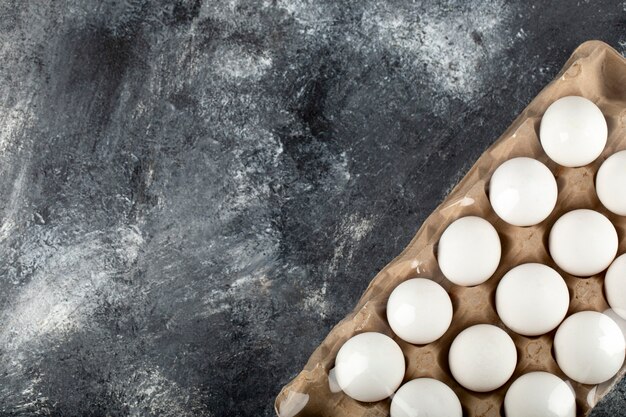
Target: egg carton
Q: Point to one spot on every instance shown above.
(595, 71)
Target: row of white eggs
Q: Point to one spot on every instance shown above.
(531, 299)
(370, 367)
(429, 397)
(589, 348)
(582, 242)
(523, 191)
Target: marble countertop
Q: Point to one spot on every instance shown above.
(194, 192)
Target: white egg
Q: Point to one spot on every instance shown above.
(615, 286)
(589, 347)
(573, 131)
(532, 299)
(611, 183)
(482, 358)
(469, 251)
(583, 242)
(523, 191)
(610, 313)
(539, 394)
(425, 397)
(419, 311)
(369, 367)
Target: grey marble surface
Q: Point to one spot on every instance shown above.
(193, 193)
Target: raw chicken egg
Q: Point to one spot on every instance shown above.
(589, 347)
(482, 358)
(573, 131)
(523, 191)
(532, 299)
(539, 394)
(419, 311)
(611, 183)
(425, 397)
(369, 367)
(583, 242)
(469, 251)
(615, 286)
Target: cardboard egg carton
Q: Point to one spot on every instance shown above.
(594, 71)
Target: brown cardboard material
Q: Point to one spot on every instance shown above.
(594, 71)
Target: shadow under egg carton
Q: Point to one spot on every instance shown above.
(594, 71)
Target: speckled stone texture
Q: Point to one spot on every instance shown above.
(193, 193)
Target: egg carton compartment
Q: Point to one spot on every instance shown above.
(594, 71)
